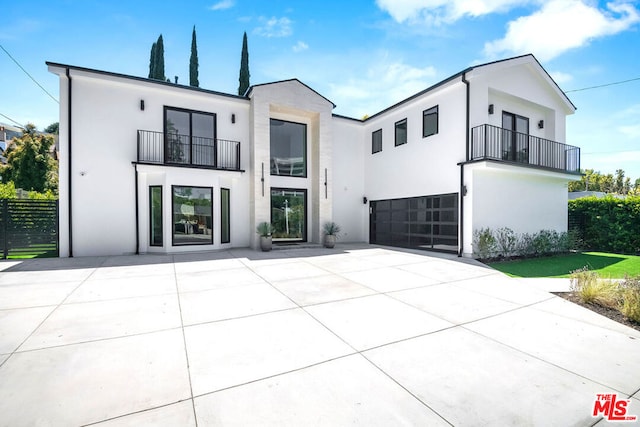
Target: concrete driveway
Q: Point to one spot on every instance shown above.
(356, 335)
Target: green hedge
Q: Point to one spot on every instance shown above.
(608, 224)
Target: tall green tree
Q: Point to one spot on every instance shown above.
(193, 61)
(29, 163)
(244, 67)
(159, 60)
(53, 128)
(152, 62)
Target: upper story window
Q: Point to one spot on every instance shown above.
(189, 136)
(430, 122)
(376, 141)
(401, 132)
(288, 148)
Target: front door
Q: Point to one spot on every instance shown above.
(515, 138)
(288, 214)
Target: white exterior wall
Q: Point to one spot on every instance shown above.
(519, 87)
(526, 201)
(349, 151)
(291, 101)
(422, 166)
(106, 116)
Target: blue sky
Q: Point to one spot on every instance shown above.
(363, 55)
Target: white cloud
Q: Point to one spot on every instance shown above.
(223, 4)
(274, 27)
(560, 77)
(444, 11)
(300, 46)
(561, 25)
(381, 86)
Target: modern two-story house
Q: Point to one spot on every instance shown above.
(154, 167)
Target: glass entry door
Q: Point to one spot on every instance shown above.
(515, 138)
(288, 214)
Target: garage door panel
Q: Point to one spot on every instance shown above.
(425, 222)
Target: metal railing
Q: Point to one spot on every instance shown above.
(492, 142)
(174, 149)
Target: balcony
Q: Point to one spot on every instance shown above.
(494, 143)
(190, 151)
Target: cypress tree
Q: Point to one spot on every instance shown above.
(152, 62)
(193, 61)
(159, 60)
(244, 67)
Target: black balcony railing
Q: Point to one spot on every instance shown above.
(492, 142)
(174, 149)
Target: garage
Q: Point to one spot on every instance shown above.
(426, 222)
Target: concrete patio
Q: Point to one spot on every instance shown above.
(359, 335)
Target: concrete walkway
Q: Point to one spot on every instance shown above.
(356, 335)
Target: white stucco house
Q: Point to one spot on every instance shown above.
(154, 167)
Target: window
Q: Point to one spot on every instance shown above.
(155, 215)
(401, 132)
(190, 137)
(376, 141)
(225, 220)
(430, 122)
(192, 215)
(288, 148)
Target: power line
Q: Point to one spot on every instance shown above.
(9, 118)
(27, 73)
(604, 85)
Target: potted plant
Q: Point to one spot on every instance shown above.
(331, 230)
(264, 229)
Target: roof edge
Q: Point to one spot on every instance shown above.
(248, 92)
(143, 79)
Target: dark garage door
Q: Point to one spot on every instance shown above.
(427, 222)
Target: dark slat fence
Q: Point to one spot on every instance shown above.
(29, 228)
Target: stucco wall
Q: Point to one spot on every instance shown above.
(525, 200)
(422, 166)
(105, 120)
(349, 211)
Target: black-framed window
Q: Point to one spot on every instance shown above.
(289, 214)
(288, 148)
(376, 141)
(430, 122)
(192, 215)
(401, 132)
(190, 137)
(155, 215)
(225, 215)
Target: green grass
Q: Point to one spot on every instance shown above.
(614, 266)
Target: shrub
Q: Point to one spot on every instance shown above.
(506, 241)
(331, 228)
(590, 288)
(264, 229)
(608, 224)
(544, 242)
(484, 243)
(630, 305)
(525, 244)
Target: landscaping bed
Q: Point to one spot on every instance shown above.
(610, 313)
